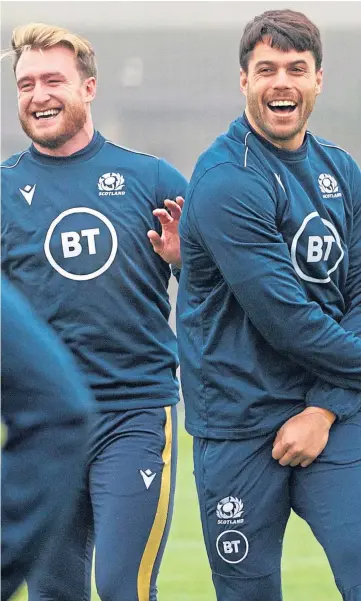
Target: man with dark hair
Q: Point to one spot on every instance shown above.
(81, 217)
(269, 324)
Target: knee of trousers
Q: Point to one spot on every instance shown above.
(345, 560)
(353, 594)
(121, 586)
(262, 588)
(115, 587)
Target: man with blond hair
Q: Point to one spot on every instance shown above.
(82, 218)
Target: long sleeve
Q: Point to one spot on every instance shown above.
(345, 403)
(236, 220)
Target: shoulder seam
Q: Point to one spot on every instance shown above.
(246, 151)
(19, 158)
(228, 162)
(146, 154)
(328, 145)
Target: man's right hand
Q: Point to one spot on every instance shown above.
(168, 244)
(303, 437)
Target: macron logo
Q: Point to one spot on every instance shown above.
(28, 193)
(148, 477)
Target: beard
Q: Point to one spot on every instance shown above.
(279, 135)
(73, 118)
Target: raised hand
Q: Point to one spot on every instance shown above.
(167, 245)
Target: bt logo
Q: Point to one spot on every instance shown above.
(319, 248)
(71, 242)
(78, 252)
(325, 251)
(232, 546)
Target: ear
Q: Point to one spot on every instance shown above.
(243, 81)
(89, 88)
(319, 81)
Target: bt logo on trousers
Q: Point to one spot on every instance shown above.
(232, 546)
(81, 244)
(314, 255)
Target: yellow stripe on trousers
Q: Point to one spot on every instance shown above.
(157, 531)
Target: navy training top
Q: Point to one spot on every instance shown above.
(269, 301)
(74, 241)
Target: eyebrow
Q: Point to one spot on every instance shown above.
(272, 63)
(43, 76)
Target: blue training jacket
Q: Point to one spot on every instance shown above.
(74, 236)
(269, 303)
(45, 408)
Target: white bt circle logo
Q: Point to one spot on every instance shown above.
(320, 253)
(81, 244)
(232, 546)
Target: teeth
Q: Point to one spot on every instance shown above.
(282, 103)
(47, 113)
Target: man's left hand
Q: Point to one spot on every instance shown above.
(168, 245)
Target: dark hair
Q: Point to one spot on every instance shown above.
(283, 29)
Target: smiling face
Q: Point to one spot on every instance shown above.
(53, 99)
(281, 89)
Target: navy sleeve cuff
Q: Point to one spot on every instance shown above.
(342, 402)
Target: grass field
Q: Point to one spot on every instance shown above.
(185, 575)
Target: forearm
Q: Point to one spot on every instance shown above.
(342, 402)
(239, 228)
(290, 323)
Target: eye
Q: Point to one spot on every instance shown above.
(265, 70)
(24, 87)
(54, 81)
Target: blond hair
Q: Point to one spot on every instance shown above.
(39, 36)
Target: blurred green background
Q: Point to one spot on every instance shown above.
(185, 574)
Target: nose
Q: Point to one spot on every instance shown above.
(40, 94)
(282, 80)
